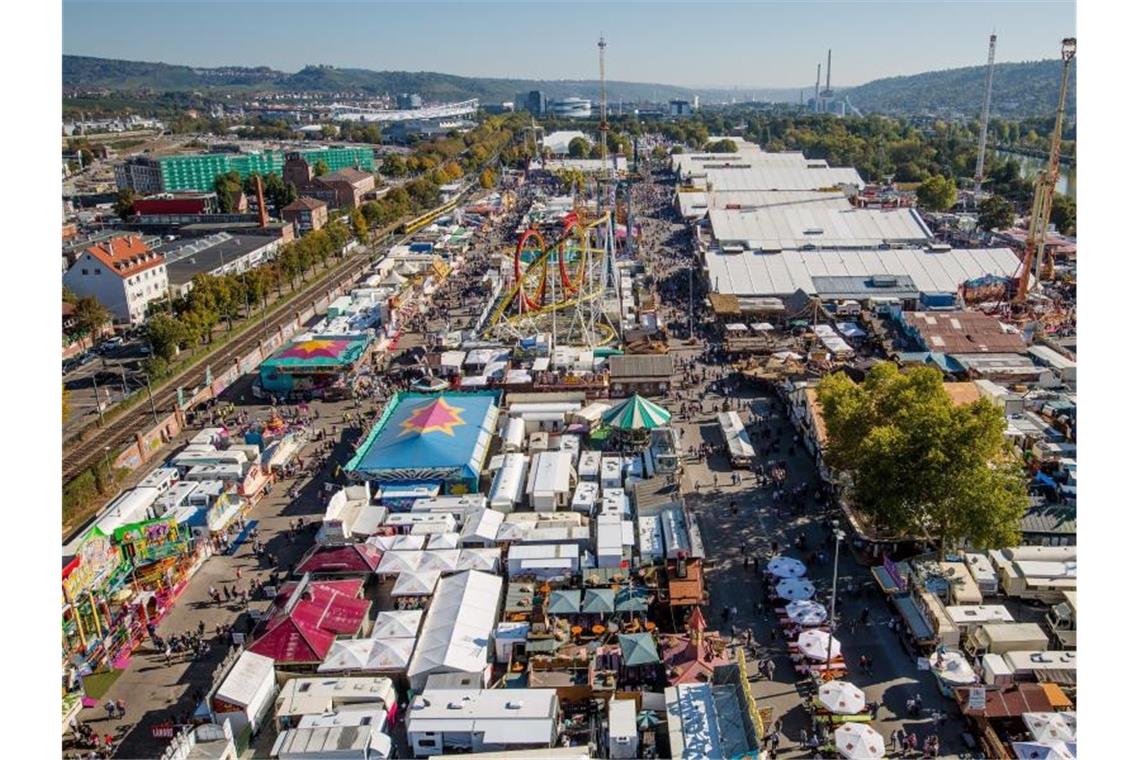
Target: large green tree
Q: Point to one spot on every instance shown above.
(1064, 214)
(165, 334)
(921, 465)
(125, 203)
(579, 147)
(90, 316)
(995, 213)
(937, 193)
(721, 146)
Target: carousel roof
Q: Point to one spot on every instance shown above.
(636, 413)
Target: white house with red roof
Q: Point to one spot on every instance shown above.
(122, 273)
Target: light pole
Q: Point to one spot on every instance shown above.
(150, 397)
(839, 536)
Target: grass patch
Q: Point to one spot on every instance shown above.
(98, 684)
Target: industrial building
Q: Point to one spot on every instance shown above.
(218, 254)
(570, 108)
(533, 101)
(163, 174)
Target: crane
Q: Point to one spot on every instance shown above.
(985, 120)
(1045, 185)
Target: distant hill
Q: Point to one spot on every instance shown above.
(87, 73)
(1020, 90)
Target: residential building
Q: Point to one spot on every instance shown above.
(306, 214)
(150, 175)
(123, 273)
(349, 186)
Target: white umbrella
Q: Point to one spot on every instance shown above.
(804, 612)
(795, 588)
(842, 698)
(858, 741)
(786, 567)
(814, 644)
(1041, 751)
(1051, 727)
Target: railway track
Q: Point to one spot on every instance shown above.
(120, 432)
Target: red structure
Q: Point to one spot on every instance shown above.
(183, 203)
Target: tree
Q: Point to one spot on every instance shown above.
(359, 225)
(578, 148)
(920, 465)
(995, 213)
(487, 179)
(394, 165)
(722, 146)
(66, 403)
(90, 316)
(937, 193)
(226, 186)
(320, 168)
(125, 203)
(165, 335)
(1064, 214)
(373, 213)
(676, 150)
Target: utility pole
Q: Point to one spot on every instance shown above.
(839, 536)
(98, 403)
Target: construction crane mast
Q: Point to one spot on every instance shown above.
(603, 127)
(985, 120)
(1046, 184)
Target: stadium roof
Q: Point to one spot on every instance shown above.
(778, 274)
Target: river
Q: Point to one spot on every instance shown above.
(1030, 165)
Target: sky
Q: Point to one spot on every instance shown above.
(722, 45)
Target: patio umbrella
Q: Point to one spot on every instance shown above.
(636, 413)
(638, 649)
(794, 589)
(1041, 751)
(807, 613)
(1051, 727)
(647, 719)
(814, 643)
(858, 741)
(786, 567)
(842, 698)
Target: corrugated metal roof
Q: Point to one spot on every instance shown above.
(774, 274)
(797, 225)
(648, 365)
(802, 177)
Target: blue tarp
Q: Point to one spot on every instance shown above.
(1043, 478)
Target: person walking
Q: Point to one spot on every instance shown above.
(121, 708)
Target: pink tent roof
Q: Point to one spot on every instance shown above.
(306, 633)
(291, 641)
(343, 560)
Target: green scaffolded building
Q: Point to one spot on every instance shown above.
(198, 172)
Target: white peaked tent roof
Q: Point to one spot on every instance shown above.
(457, 628)
(397, 543)
(397, 624)
(479, 559)
(439, 561)
(483, 524)
(442, 541)
(368, 654)
(394, 562)
(417, 583)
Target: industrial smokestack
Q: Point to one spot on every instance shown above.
(262, 215)
(828, 89)
(815, 102)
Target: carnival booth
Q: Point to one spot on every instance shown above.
(423, 438)
(313, 364)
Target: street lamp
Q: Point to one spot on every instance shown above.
(839, 536)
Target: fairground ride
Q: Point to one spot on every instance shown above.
(560, 288)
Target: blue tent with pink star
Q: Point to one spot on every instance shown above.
(441, 437)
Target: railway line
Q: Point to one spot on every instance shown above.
(120, 432)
